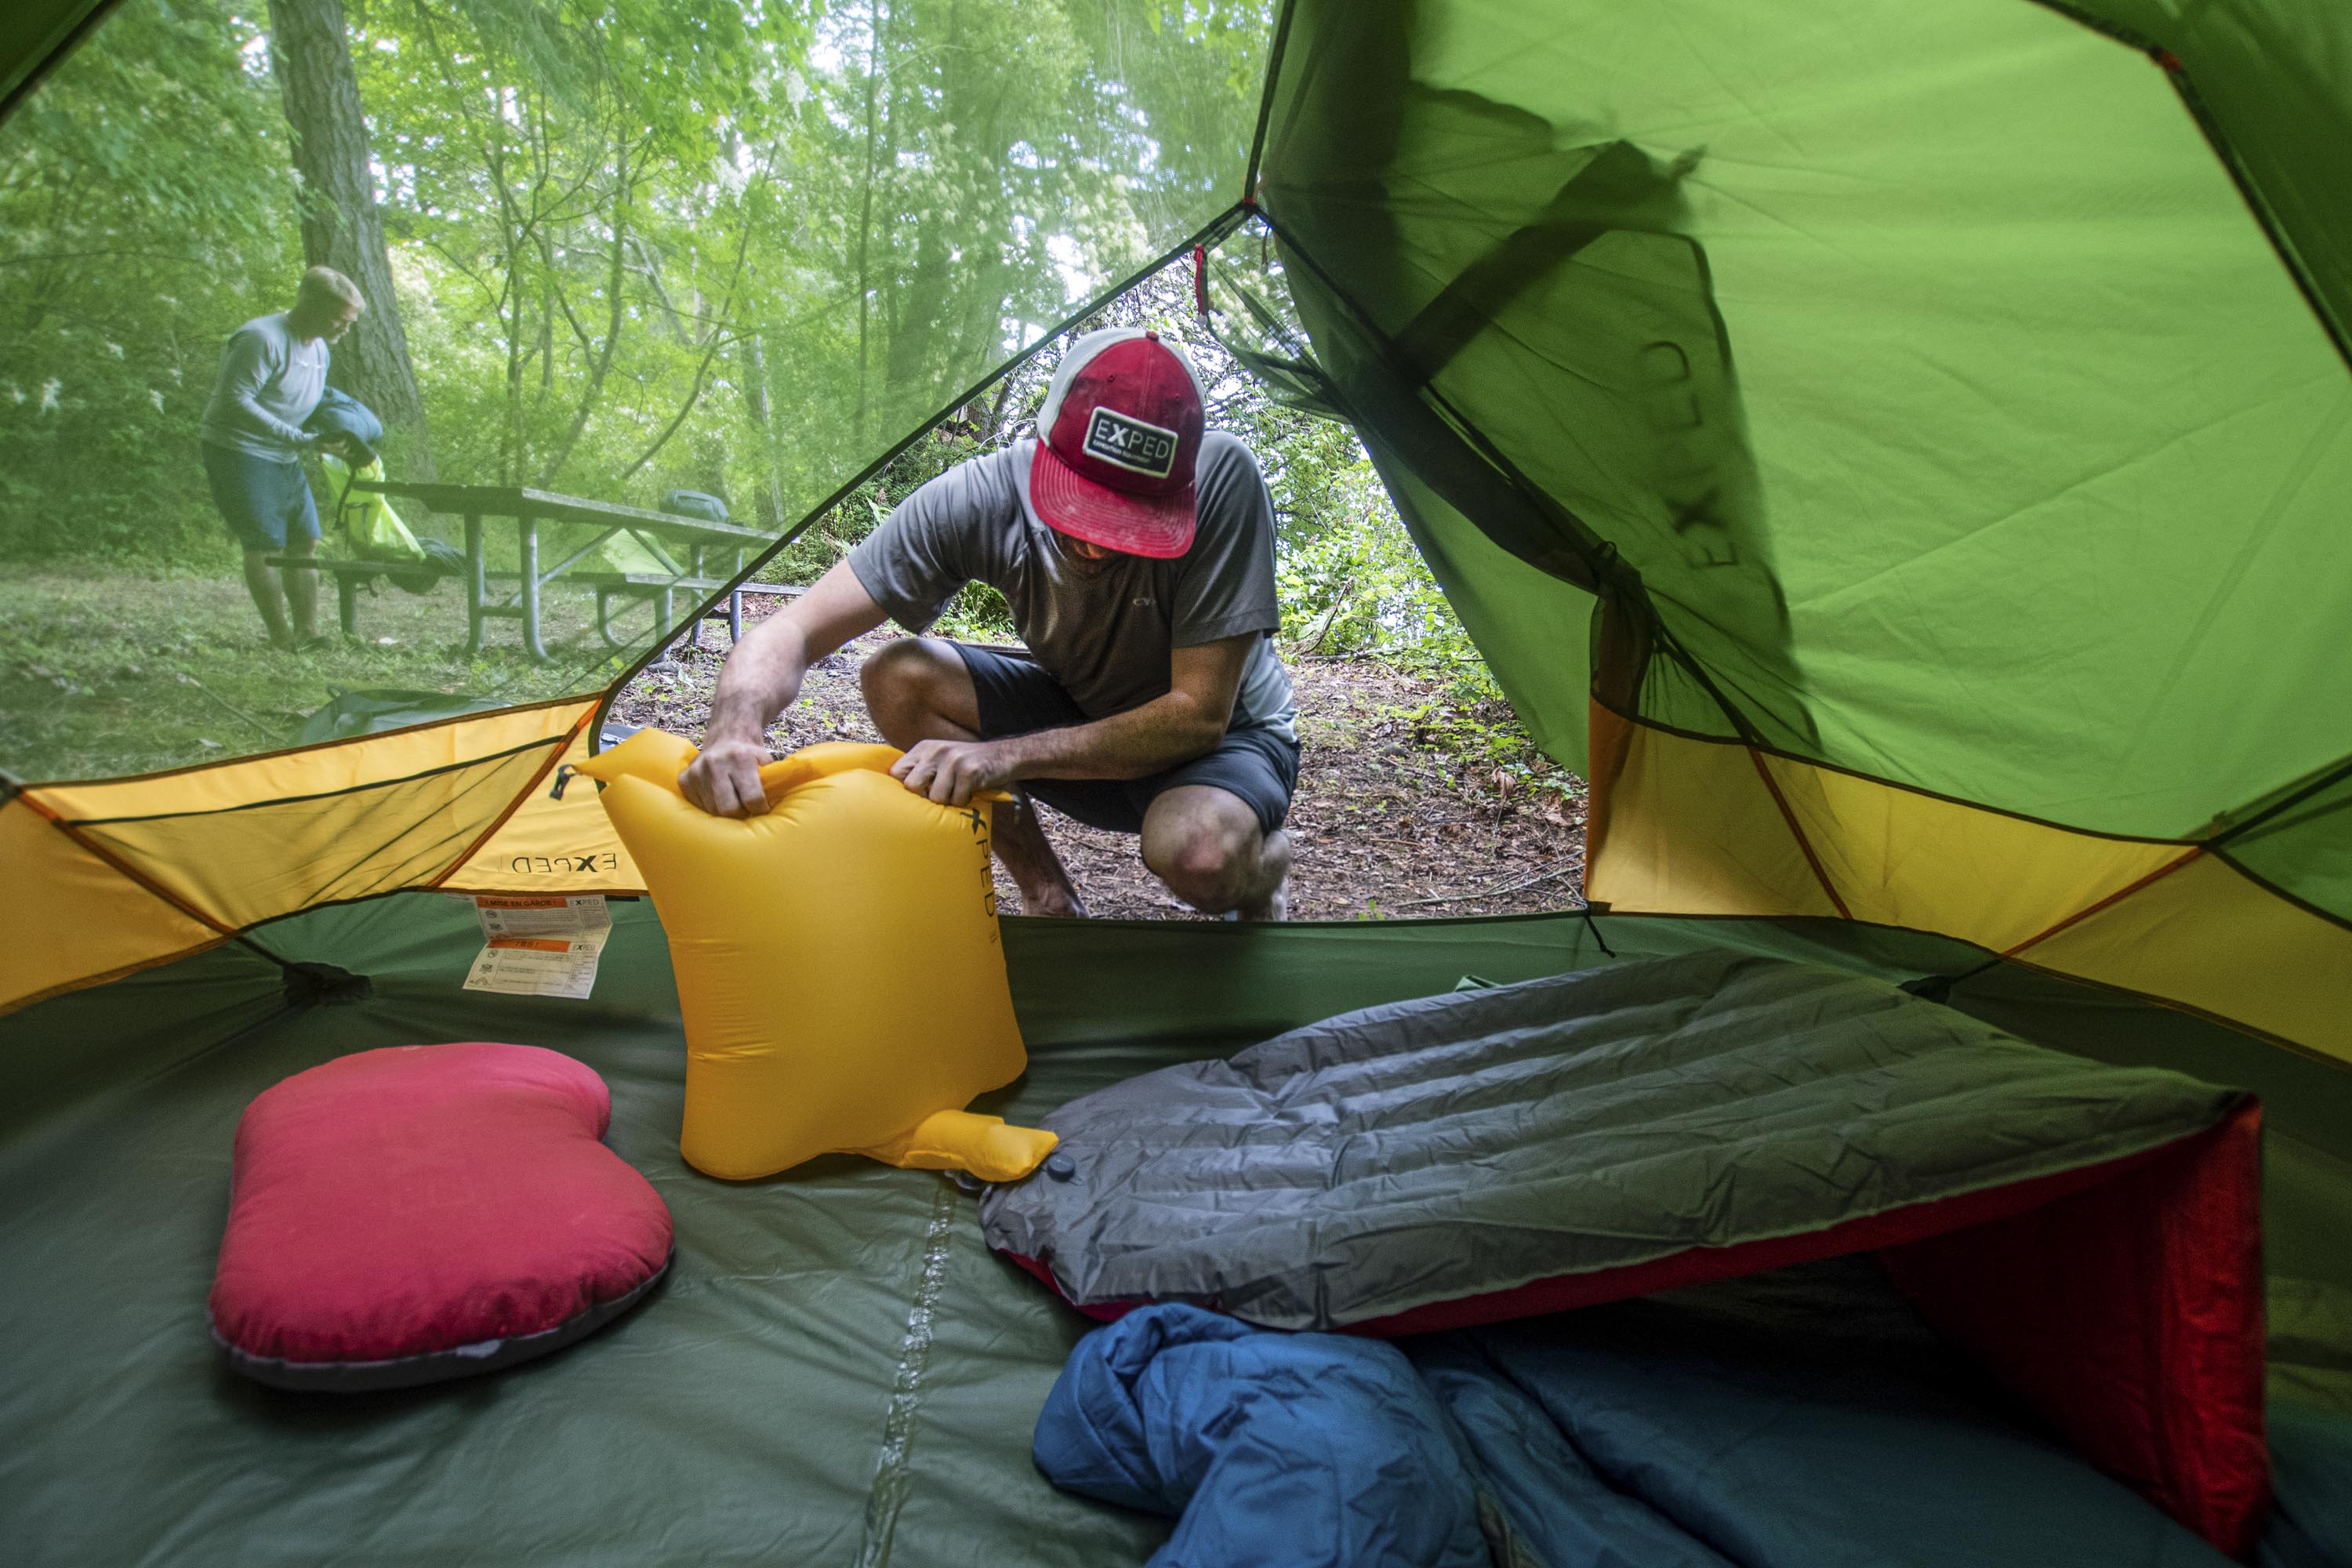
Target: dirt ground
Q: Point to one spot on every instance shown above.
(1387, 824)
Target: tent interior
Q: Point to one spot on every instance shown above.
(839, 1370)
(1976, 629)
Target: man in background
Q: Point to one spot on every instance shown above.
(272, 375)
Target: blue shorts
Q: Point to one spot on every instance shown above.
(1016, 696)
(264, 503)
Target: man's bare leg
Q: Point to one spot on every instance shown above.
(1205, 843)
(303, 591)
(919, 690)
(1021, 844)
(261, 582)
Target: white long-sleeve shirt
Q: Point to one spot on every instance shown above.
(270, 382)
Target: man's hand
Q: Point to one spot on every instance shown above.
(724, 780)
(762, 677)
(952, 772)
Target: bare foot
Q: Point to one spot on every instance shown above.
(1069, 906)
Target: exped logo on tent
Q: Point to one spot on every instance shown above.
(553, 865)
(1130, 443)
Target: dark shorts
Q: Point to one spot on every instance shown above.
(263, 502)
(1016, 697)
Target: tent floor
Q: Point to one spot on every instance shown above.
(837, 1370)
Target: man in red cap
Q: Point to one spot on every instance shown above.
(1135, 550)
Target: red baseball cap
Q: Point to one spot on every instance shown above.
(1119, 435)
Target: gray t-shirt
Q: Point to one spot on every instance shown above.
(268, 384)
(1103, 630)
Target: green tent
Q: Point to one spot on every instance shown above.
(1899, 453)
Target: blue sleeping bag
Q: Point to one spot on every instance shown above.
(340, 415)
(1806, 1418)
(1279, 1451)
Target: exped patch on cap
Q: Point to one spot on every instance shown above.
(1119, 434)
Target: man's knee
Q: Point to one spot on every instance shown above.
(1209, 853)
(909, 685)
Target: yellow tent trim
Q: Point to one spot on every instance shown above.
(137, 871)
(1687, 826)
(91, 923)
(551, 846)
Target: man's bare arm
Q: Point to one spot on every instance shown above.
(1187, 722)
(762, 676)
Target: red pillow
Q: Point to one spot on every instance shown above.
(422, 1212)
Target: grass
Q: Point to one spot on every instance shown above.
(106, 672)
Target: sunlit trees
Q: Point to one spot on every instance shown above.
(739, 248)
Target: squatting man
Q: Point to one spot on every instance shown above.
(1136, 551)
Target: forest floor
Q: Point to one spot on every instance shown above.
(1392, 818)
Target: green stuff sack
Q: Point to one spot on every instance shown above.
(371, 527)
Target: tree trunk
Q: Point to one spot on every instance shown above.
(341, 228)
(769, 498)
(949, 314)
(873, 15)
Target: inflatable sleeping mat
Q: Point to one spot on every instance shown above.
(2091, 1232)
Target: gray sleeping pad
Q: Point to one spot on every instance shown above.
(1445, 1148)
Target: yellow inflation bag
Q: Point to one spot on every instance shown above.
(837, 959)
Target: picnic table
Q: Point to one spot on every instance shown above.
(701, 542)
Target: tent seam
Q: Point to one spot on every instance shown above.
(2328, 779)
(474, 716)
(485, 757)
(1926, 793)
(2118, 897)
(140, 879)
(1797, 831)
(2184, 88)
(2275, 890)
(1611, 573)
(108, 976)
(523, 795)
(66, 42)
(1266, 103)
(892, 1468)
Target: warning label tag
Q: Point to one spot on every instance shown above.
(539, 946)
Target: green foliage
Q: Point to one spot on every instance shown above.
(139, 189)
(646, 245)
